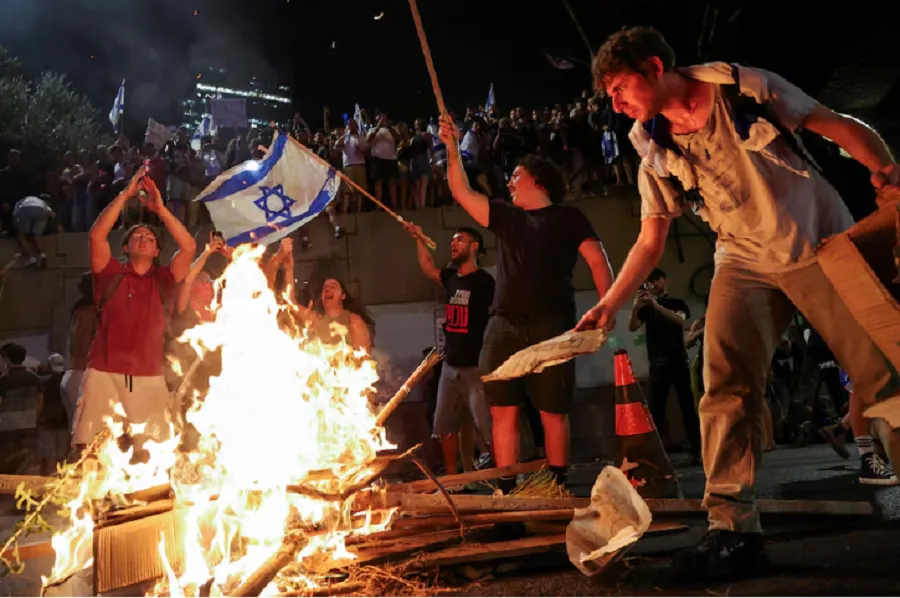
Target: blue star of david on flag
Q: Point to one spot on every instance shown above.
(263, 203)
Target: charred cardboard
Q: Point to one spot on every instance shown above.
(127, 554)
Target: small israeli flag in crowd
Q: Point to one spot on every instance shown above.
(491, 101)
(203, 129)
(357, 116)
(264, 201)
(115, 115)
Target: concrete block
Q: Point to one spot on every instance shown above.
(74, 250)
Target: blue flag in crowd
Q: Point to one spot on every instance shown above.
(357, 116)
(491, 101)
(115, 115)
(263, 201)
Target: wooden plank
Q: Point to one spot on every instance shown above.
(468, 477)
(410, 543)
(475, 504)
(9, 483)
(474, 518)
(659, 506)
(471, 553)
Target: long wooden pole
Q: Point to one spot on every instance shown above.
(425, 238)
(426, 50)
(429, 362)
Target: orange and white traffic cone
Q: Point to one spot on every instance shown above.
(639, 449)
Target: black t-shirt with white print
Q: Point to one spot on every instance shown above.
(466, 315)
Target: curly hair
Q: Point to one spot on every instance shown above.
(546, 174)
(628, 50)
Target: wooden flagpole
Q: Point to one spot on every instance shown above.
(428, 62)
(425, 238)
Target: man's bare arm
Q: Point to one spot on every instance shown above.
(98, 238)
(476, 204)
(601, 271)
(855, 137)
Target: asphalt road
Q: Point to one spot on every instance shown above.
(821, 556)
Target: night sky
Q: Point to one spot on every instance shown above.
(160, 46)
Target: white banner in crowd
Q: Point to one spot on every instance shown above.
(229, 113)
(157, 134)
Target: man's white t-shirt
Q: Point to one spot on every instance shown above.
(354, 150)
(383, 145)
(769, 208)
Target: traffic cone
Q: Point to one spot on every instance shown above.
(639, 449)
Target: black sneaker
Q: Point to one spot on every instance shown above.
(836, 435)
(722, 554)
(874, 471)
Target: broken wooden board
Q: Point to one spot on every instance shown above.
(476, 552)
(30, 551)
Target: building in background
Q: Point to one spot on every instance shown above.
(265, 101)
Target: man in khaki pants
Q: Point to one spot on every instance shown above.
(719, 140)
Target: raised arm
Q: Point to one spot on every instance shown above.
(98, 238)
(426, 262)
(476, 204)
(180, 264)
(184, 294)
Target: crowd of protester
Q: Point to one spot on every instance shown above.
(401, 164)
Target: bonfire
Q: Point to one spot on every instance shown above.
(286, 412)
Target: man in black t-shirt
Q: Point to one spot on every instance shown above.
(469, 291)
(538, 242)
(664, 317)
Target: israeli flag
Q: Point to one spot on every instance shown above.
(264, 201)
(357, 116)
(115, 115)
(203, 129)
(491, 101)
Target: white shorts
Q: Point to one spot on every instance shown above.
(145, 400)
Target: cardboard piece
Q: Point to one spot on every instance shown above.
(860, 264)
(554, 351)
(128, 554)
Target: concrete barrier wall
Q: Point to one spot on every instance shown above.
(378, 260)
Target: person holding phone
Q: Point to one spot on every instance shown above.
(353, 147)
(133, 296)
(664, 317)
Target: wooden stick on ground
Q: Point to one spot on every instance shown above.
(443, 491)
(259, 579)
(433, 358)
(426, 50)
(468, 477)
(425, 238)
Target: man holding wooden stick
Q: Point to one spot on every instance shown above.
(538, 242)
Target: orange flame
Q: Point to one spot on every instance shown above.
(284, 404)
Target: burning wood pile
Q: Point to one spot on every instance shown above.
(274, 481)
